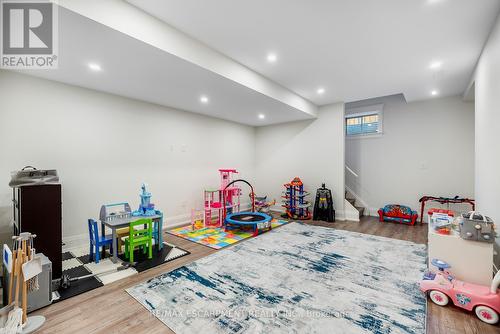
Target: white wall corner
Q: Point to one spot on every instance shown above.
(469, 94)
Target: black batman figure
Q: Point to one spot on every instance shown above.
(323, 206)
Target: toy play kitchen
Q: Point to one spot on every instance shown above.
(441, 286)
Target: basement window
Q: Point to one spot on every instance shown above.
(363, 121)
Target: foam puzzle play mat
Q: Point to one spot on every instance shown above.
(216, 237)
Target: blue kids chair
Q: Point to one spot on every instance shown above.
(97, 241)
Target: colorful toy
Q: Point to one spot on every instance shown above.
(217, 238)
(441, 286)
(197, 219)
(441, 222)
(295, 202)
(440, 212)
(146, 208)
(215, 211)
(397, 213)
(213, 208)
(261, 204)
(323, 205)
(257, 222)
(222, 207)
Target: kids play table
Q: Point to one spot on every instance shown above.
(117, 223)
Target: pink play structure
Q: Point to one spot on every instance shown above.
(214, 199)
(441, 286)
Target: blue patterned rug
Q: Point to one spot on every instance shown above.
(295, 279)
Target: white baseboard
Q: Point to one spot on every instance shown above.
(339, 214)
(351, 217)
(350, 212)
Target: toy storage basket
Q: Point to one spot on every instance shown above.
(477, 227)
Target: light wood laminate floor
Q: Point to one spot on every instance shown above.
(110, 309)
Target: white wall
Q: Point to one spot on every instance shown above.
(487, 99)
(312, 150)
(105, 146)
(427, 148)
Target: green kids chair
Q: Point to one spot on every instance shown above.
(139, 238)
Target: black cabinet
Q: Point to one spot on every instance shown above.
(38, 210)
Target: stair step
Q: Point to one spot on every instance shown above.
(351, 200)
(361, 210)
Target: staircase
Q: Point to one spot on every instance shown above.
(352, 180)
(352, 200)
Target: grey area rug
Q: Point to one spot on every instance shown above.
(295, 279)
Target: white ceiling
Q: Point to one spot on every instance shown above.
(134, 69)
(355, 49)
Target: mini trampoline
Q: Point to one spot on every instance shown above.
(254, 221)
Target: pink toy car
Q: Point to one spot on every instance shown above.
(442, 286)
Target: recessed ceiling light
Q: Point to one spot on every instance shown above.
(435, 65)
(95, 67)
(320, 91)
(434, 93)
(204, 99)
(262, 116)
(272, 57)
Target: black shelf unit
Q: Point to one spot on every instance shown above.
(38, 209)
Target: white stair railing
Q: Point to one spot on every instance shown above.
(351, 171)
